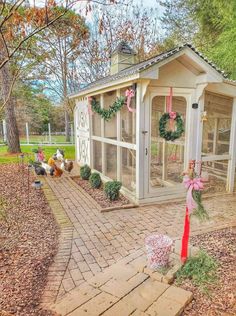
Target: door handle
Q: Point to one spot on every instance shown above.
(146, 151)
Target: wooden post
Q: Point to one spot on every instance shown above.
(104, 167)
(72, 133)
(140, 141)
(232, 152)
(27, 132)
(119, 138)
(49, 134)
(164, 155)
(215, 138)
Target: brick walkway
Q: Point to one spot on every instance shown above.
(100, 239)
(126, 288)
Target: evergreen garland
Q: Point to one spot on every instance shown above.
(171, 135)
(200, 211)
(113, 109)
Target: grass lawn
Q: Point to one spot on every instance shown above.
(36, 139)
(5, 157)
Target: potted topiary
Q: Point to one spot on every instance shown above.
(112, 189)
(95, 180)
(85, 172)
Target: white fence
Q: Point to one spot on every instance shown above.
(29, 137)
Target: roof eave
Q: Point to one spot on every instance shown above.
(102, 87)
(229, 81)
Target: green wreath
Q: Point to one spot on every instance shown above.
(113, 109)
(171, 135)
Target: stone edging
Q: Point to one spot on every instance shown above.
(60, 262)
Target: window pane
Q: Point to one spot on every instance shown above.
(128, 176)
(97, 156)
(110, 126)
(216, 128)
(217, 175)
(167, 157)
(156, 163)
(111, 161)
(128, 121)
(96, 121)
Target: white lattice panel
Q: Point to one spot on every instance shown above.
(82, 132)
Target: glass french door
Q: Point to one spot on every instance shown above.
(216, 141)
(166, 158)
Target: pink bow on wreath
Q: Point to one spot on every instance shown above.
(90, 99)
(129, 93)
(169, 109)
(192, 184)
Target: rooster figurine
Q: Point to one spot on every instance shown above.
(59, 155)
(67, 165)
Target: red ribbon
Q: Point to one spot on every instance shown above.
(185, 238)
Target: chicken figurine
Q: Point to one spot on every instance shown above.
(59, 155)
(54, 169)
(67, 165)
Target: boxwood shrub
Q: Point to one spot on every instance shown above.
(85, 172)
(112, 189)
(95, 180)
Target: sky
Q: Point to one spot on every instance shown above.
(147, 2)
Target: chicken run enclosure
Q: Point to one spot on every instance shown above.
(127, 145)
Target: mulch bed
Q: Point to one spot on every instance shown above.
(99, 196)
(221, 299)
(28, 242)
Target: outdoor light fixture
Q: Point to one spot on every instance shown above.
(37, 184)
(195, 105)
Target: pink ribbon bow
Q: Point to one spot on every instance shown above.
(129, 93)
(90, 105)
(172, 115)
(192, 184)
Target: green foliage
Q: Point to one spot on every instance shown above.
(35, 107)
(95, 180)
(209, 24)
(171, 135)
(200, 211)
(85, 172)
(112, 189)
(201, 270)
(113, 109)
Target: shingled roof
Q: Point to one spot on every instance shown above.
(144, 65)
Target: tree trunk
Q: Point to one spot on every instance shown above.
(67, 125)
(13, 140)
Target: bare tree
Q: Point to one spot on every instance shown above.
(129, 22)
(20, 22)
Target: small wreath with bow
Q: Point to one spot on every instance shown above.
(171, 134)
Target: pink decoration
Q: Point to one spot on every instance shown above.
(172, 115)
(192, 184)
(169, 101)
(41, 156)
(158, 250)
(129, 93)
(90, 105)
(169, 109)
